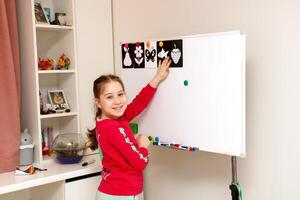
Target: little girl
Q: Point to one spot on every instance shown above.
(124, 157)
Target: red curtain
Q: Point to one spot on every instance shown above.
(9, 87)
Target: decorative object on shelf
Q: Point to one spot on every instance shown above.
(45, 143)
(26, 148)
(69, 148)
(41, 103)
(27, 170)
(58, 101)
(63, 62)
(47, 140)
(60, 19)
(40, 16)
(47, 109)
(46, 64)
(50, 64)
(48, 13)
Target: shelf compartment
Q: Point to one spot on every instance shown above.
(59, 81)
(66, 124)
(61, 125)
(54, 44)
(59, 6)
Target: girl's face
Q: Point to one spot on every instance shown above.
(112, 101)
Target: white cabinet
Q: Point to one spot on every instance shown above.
(52, 191)
(84, 188)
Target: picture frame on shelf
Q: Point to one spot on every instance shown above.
(48, 13)
(58, 101)
(40, 15)
(61, 19)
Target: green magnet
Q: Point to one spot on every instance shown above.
(185, 82)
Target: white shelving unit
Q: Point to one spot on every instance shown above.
(90, 26)
(47, 41)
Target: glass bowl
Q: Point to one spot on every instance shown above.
(69, 148)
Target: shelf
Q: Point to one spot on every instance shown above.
(48, 159)
(49, 27)
(58, 115)
(55, 172)
(52, 44)
(56, 71)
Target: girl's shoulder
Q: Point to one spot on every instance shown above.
(106, 127)
(109, 123)
(104, 122)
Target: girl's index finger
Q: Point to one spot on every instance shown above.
(169, 62)
(165, 61)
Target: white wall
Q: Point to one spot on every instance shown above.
(94, 50)
(271, 169)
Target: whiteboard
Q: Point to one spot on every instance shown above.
(208, 113)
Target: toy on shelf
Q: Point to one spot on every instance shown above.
(63, 62)
(26, 148)
(27, 170)
(45, 108)
(50, 64)
(47, 140)
(41, 103)
(46, 64)
(46, 150)
(49, 109)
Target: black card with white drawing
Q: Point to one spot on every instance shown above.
(150, 55)
(171, 48)
(138, 54)
(128, 55)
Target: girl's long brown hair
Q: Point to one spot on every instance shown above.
(98, 87)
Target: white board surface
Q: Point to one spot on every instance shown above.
(208, 113)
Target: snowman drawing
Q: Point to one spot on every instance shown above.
(127, 61)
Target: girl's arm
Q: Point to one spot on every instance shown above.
(139, 103)
(136, 156)
(142, 100)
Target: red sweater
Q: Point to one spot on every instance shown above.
(123, 161)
